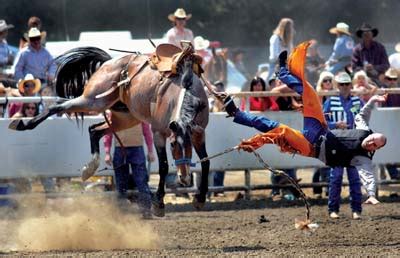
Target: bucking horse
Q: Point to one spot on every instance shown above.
(163, 89)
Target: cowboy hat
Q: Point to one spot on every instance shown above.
(343, 77)
(397, 47)
(35, 33)
(200, 43)
(4, 26)
(29, 78)
(180, 14)
(391, 73)
(341, 27)
(366, 27)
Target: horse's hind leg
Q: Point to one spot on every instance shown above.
(198, 140)
(119, 121)
(80, 104)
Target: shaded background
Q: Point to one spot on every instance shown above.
(247, 24)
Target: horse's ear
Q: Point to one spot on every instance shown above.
(173, 125)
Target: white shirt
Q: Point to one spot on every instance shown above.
(174, 36)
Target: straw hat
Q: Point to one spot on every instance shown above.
(200, 43)
(343, 77)
(4, 26)
(35, 33)
(366, 27)
(180, 14)
(341, 27)
(29, 78)
(391, 73)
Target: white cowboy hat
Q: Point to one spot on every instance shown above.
(343, 77)
(4, 26)
(29, 78)
(200, 43)
(397, 47)
(341, 27)
(35, 33)
(391, 73)
(180, 14)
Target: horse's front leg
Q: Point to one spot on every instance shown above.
(158, 198)
(198, 139)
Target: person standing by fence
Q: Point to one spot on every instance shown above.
(132, 155)
(179, 31)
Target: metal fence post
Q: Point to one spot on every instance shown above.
(247, 182)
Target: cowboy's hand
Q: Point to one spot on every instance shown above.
(246, 146)
(230, 106)
(107, 159)
(151, 157)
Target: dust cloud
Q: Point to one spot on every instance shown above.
(75, 224)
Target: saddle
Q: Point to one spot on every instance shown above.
(167, 58)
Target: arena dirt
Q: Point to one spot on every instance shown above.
(224, 228)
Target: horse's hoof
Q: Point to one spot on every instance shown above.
(199, 202)
(17, 125)
(89, 169)
(158, 209)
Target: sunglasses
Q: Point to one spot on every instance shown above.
(391, 79)
(327, 80)
(344, 84)
(35, 39)
(30, 108)
(29, 85)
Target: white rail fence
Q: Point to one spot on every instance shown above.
(58, 148)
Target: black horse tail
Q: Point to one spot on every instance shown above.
(75, 67)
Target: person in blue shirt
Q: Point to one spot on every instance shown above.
(6, 57)
(342, 49)
(340, 112)
(35, 59)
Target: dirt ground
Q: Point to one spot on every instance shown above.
(226, 227)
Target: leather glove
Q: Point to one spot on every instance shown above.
(282, 58)
(230, 106)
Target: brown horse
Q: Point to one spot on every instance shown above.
(134, 90)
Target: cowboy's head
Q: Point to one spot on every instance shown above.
(374, 142)
(4, 27)
(179, 17)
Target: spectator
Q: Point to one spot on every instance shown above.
(6, 56)
(259, 103)
(393, 100)
(394, 59)
(27, 110)
(201, 47)
(339, 113)
(35, 59)
(314, 63)
(370, 55)
(325, 83)
(33, 22)
(342, 49)
(362, 82)
(132, 139)
(45, 104)
(28, 87)
(237, 59)
(281, 39)
(179, 32)
(391, 81)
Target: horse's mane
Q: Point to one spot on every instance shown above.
(75, 68)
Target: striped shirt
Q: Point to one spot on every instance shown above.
(337, 108)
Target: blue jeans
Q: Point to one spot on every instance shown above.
(335, 188)
(321, 175)
(136, 159)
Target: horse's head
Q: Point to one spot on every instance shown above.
(181, 149)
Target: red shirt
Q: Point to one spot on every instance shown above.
(261, 104)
